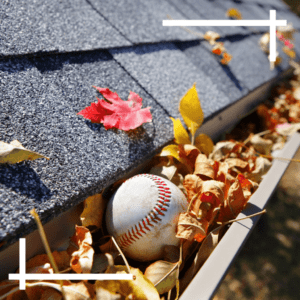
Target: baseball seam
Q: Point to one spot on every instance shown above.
(153, 217)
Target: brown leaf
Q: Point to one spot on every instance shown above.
(193, 185)
(262, 166)
(234, 203)
(61, 258)
(156, 273)
(93, 211)
(75, 291)
(213, 192)
(211, 36)
(221, 149)
(237, 163)
(261, 145)
(141, 288)
(190, 228)
(82, 259)
(164, 170)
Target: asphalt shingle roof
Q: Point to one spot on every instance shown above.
(52, 52)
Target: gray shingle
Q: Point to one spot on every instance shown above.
(167, 74)
(141, 21)
(30, 26)
(43, 96)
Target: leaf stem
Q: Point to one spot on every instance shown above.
(122, 254)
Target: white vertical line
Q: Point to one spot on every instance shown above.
(273, 35)
(22, 263)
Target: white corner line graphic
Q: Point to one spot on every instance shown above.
(22, 276)
(272, 23)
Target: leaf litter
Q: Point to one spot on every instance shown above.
(218, 181)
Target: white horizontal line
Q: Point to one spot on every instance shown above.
(31, 276)
(187, 23)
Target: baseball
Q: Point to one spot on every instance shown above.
(142, 216)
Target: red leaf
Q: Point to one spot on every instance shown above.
(116, 113)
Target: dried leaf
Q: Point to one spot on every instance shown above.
(116, 113)
(141, 288)
(14, 153)
(204, 143)
(287, 31)
(234, 203)
(82, 259)
(234, 13)
(213, 192)
(262, 166)
(218, 48)
(192, 184)
(177, 152)
(190, 228)
(101, 263)
(204, 170)
(288, 129)
(36, 263)
(264, 42)
(164, 171)
(226, 58)
(157, 271)
(191, 111)
(92, 214)
(289, 52)
(103, 294)
(211, 36)
(221, 149)
(75, 291)
(261, 145)
(180, 134)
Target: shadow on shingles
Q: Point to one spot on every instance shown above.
(146, 48)
(23, 180)
(56, 62)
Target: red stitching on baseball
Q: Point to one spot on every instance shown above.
(164, 197)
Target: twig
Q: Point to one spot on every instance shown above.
(248, 217)
(47, 247)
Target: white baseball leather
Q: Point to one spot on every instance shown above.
(142, 216)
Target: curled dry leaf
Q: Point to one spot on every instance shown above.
(101, 261)
(190, 228)
(261, 145)
(287, 129)
(82, 259)
(92, 214)
(157, 272)
(141, 288)
(213, 192)
(226, 58)
(163, 170)
(204, 170)
(264, 42)
(74, 291)
(191, 111)
(234, 13)
(222, 149)
(211, 36)
(14, 153)
(218, 48)
(262, 166)
(37, 262)
(193, 185)
(233, 204)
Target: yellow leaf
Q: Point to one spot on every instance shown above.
(141, 288)
(180, 134)
(204, 143)
(191, 111)
(289, 52)
(234, 13)
(93, 211)
(14, 152)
